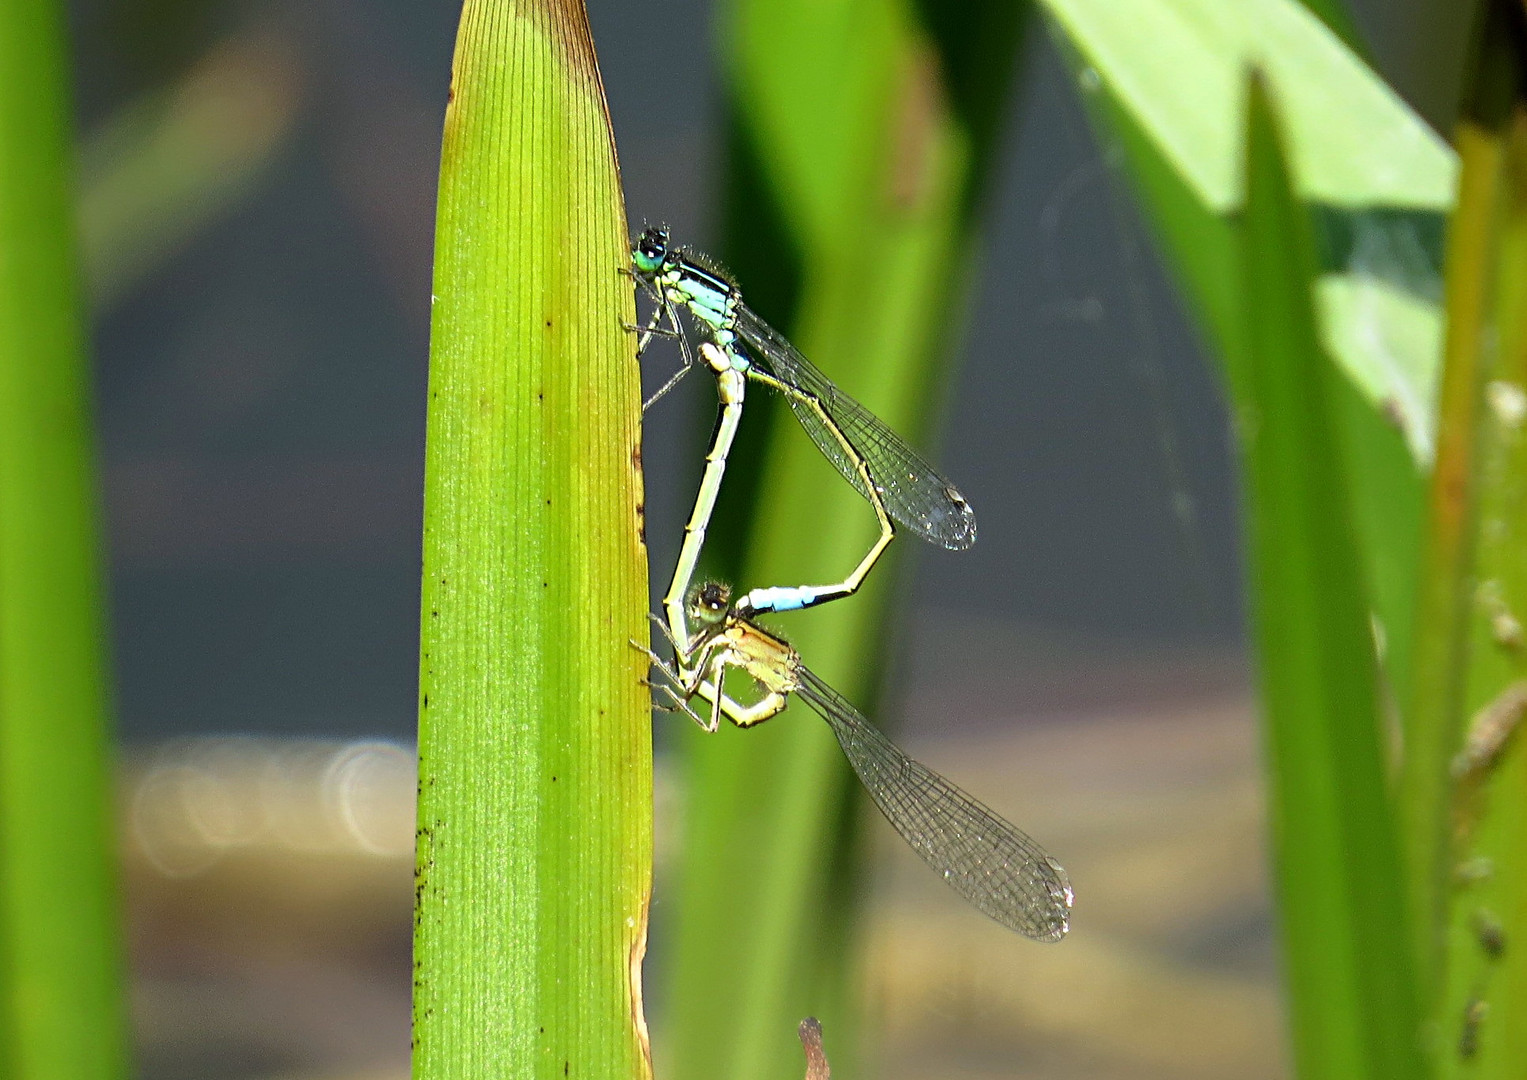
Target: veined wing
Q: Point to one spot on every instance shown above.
(983, 857)
(914, 492)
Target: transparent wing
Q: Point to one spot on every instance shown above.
(984, 858)
(914, 493)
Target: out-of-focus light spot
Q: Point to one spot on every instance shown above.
(198, 802)
(1508, 401)
(213, 805)
(163, 825)
(371, 787)
(291, 797)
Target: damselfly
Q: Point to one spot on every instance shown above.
(896, 480)
(983, 857)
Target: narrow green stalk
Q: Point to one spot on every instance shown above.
(1341, 908)
(1433, 713)
(1472, 696)
(61, 1009)
(1480, 1013)
(535, 797)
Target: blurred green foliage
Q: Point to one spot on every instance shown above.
(862, 134)
(62, 1012)
(1335, 846)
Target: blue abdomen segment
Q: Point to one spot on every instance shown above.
(780, 598)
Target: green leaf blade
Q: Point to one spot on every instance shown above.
(1351, 989)
(534, 854)
(1352, 141)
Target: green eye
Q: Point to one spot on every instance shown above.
(650, 250)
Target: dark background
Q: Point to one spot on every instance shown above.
(261, 386)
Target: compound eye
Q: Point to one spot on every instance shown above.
(711, 599)
(650, 249)
(654, 243)
(715, 596)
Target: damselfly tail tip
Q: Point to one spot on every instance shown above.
(810, 1033)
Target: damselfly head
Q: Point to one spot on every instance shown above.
(709, 602)
(650, 249)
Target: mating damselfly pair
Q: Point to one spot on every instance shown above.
(983, 857)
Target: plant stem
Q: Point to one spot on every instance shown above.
(61, 1010)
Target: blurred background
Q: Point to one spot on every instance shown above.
(256, 188)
